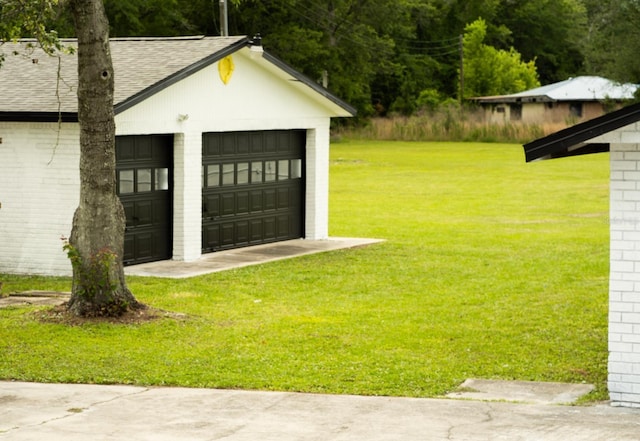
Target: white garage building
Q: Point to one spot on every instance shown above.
(219, 145)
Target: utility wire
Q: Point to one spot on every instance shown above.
(310, 11)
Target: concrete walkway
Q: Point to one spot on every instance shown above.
(241, 257)
(59, 412)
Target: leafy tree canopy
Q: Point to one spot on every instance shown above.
(491, 71)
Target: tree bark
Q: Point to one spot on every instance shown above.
(97, 237)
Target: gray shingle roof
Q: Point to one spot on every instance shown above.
(29, 81)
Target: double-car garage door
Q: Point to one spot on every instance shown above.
(252, 190)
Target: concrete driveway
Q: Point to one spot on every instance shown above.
(59, 412)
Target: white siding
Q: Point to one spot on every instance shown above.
(39, 190)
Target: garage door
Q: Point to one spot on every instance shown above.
(252, 188)
(144, 177)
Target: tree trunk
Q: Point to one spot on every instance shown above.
(97, 236)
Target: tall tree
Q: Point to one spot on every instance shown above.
(97, 237)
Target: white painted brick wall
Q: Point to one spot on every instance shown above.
(624, 278)
(317, 185)
(39, 182)
(187, 197)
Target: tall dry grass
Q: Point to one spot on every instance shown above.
(449, 124)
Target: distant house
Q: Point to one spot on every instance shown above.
(576, 99)
(219, 145)
(619, 133)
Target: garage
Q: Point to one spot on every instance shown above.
(221, 147)
(144, 178)
(252, 188)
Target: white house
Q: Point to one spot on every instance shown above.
(619, 133)
(219, 145)
(575, 99)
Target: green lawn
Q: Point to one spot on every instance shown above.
(492, 268)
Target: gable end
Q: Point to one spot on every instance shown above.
(178, 76)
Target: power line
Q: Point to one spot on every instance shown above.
(445, 43)
(311, 11)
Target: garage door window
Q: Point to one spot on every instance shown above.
(250, 173)
(256, 172)
(139, 180)
(125, 184)
(296, 169)
(213, 175)
(269, 171)
(283, 169)
(162, 179)
(242, 173)
(227, 174)
(144, 179)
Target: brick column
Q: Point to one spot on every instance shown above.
(317, 184)
(187, 196)
(624, 282)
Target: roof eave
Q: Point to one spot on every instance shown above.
(352, 111)
(570, 139)
(39, 117)
(507, 99)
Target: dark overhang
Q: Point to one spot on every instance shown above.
(574, 140)
(39, 116)
(510, 99)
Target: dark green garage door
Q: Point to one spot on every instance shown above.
(144, 174)
(252, 188)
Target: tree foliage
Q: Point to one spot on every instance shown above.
(613, 39)
(381, 55)
(490, 71)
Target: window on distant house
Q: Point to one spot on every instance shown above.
(575, 109)
(515, 112)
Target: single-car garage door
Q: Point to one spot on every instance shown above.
(252, 188)
(144, 169)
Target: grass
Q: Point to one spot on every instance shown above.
(492, 268)
(449, 124)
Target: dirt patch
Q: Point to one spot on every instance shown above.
(60, 315)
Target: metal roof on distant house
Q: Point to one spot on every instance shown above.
(583, 88)
(30, 89)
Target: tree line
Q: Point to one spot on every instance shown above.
(387, 56)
